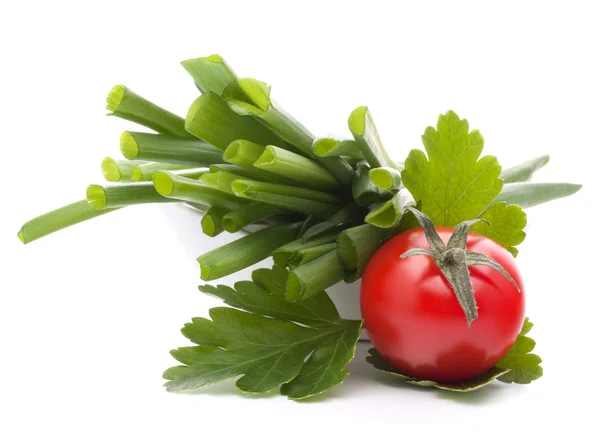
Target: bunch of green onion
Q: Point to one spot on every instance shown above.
(324, 204)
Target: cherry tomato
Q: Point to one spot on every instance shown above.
(414, 320)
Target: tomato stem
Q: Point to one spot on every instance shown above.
(454, 260)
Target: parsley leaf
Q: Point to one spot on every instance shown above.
(451, 183)
(268, 343)
(468, 385)
(506, 225)
(524, 366)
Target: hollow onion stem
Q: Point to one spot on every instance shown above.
(283, 254)
(59, 219)
(245, 251)
(288, 164)
(240, 187)
(243, 216)
(349, 214)
(117, 170)
(326, 147)
(112, 196)
(212, 221)
(386, 178)
(145, 171)
(364, 191)
(210, 119)
(302, 257)
(388, 214)
(126, 104)
(356, 245)
(243, 153)
(169, 149)
(211, 73)
(314, 277)
(181, 188)
(365, 134)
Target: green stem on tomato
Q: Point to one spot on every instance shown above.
(59, 219)
(126, 104)
(169, 149)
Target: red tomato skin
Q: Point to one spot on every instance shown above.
(414, 320)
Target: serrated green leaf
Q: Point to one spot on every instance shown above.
(452, 184)
(303, 346)
(523, 365)
(468, 385)
(506, 225)
(325, 367)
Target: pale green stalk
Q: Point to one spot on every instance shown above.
(386, 178)
(524, 171)
(182, 188)
(364, 191)
(243, 187)
(388, 214)
(365, 134)
(526, 194)
(349, 214)
(304, 256)
(117, 170)
(58, 219)
(243, 216)
(327, 147)
(212, 221)
(169, 149)
(211, 73)
(243, 153)
(112, 196)
(145, 172)
(314, 277)
(246, 251)
(356, 245)
(288, 164)
(126, 104)
(210, 119)
(283, 254)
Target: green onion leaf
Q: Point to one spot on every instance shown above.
(211, 73)
(386, 178)
(253, 173)
(365, 134)
(526, 194)
(314, 277)
(145, 172)
(117, 170)
(245, 188)
(351, 213)
(59, 219)
(251, 213)
(364, 191)
(210, 119)
(306, 255)
(178, 187)
(524, 171)
(288, 164)
(326, 147)
(283, 254)
(245, 251)
(356, 245)
(102, 197)
(243, 153)
(126, 104)
(388, 214)
(212, 221)
(169, 149)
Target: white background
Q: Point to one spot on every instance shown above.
(88, 315)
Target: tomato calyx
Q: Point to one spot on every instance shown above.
(454, 259)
